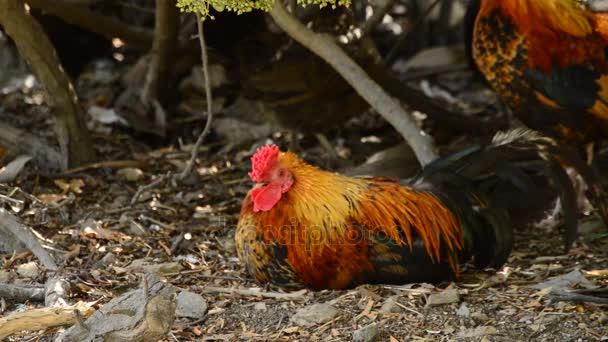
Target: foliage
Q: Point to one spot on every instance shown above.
(243, 6)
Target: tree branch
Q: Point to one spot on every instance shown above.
(94, 22)
(390, 109)
(38, 51)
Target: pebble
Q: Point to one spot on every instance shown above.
(390, 305)
(463, 311)
(131, 174)
(314, 314)
(368, 333)
(191, 305)
(28, 270)
(480, 316)
(259, 306)
(447, 296)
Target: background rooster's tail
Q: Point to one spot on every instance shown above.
(513, 181)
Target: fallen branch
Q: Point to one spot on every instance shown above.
(147, 187)
(116, 164)
(94, 22)
(297, 295)
(390, 109)
(11, 225)
(563, 296)
(39, 319)
(22, 293)
(139, 315)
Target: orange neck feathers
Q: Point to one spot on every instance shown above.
(321, 206)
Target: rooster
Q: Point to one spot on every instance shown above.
(301, 226)
(548, 61)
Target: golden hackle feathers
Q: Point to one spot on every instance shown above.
(326, 204)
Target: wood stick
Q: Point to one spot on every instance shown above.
(390, 109)
(22, 293)
(39, 319)
(95, 22)
(10, 224)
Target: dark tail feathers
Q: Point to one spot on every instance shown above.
(512, 181)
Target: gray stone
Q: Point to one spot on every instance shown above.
(390, 305)
(314, 314)
(447, 296)
(463, 311)
(368, 333)
(29, 270)
(191, 305)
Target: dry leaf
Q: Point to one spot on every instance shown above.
(9, 172)
(51, 198)
(100, 233)
(74, 185)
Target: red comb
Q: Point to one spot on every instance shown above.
(261, 162)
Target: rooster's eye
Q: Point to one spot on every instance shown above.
(281, 172)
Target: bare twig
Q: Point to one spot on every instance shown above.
(106, 163)
(376, 18)
(204, 58)
(390, 109)
(560, 296)
(143, 188)
(297, 295)
(10, 224)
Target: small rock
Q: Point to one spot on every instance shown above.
(447, 296)
(5, 277)
(314, 314)
(480, 316)
(107, 259)
(131, 174)
(368, 333)
(259, 306)
(390, 305)
(478, 332)
(29, 270)
(463, 311)
(191, 305)
(603, 319)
